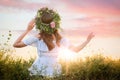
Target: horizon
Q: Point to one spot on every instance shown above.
(106, 46)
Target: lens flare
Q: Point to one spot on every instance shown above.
(67, 55)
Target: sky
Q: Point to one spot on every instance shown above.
(99, 16)
(78, 17)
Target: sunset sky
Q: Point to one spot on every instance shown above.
(99, 16)
(78, 16)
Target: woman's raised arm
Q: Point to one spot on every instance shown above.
(18, 43)
(80, 47)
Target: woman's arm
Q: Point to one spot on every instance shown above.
(80, 47)
(18, 43)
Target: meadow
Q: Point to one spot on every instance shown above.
(96, 67)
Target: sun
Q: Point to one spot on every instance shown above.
(67, 55)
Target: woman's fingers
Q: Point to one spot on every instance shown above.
(90, 36)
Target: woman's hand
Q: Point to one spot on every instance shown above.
(31, 25)
(90, 36)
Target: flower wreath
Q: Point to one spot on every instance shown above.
(48, 28)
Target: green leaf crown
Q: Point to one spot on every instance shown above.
(46, 27)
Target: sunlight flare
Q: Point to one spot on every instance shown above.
(67, 55)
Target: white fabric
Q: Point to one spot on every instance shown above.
(47, 63)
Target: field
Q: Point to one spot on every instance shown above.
(96, 67)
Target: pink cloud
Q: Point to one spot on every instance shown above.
(98, 12)
(98, 31)
(20, 4)
(101, 26)
(94, 7)
(31, 5)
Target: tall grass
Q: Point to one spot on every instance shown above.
(96, 67)
(11, 69)
(93, 68)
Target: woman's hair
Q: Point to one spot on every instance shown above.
(48, 39)
(47, 18)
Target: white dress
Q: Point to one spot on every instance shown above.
(47, 63)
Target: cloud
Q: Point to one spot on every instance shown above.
(20, 4)
(100, 30)
(92, 7)
(80, 17)
(32, 5)
(107, 7)
(101, 26)
(38, 1)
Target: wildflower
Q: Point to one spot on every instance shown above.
(52, 24)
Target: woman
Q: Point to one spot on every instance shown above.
(47, 42)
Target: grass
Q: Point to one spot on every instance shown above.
(97, 67)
